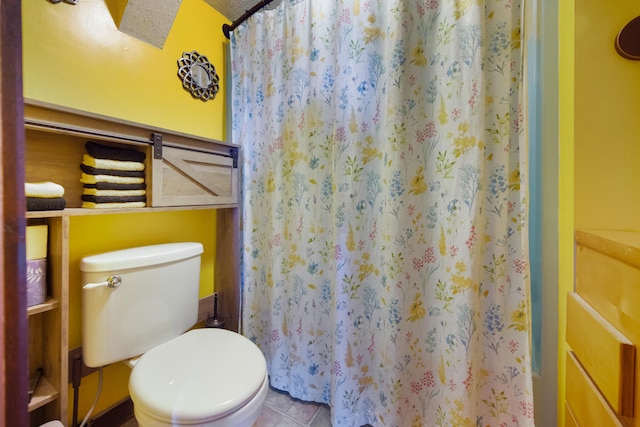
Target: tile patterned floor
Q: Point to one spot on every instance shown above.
(281, 410)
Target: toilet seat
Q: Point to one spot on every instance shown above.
(199, 376)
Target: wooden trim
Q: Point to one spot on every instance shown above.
(621, 245)
(56, 341)
(69, 212)
(205, 308)
(227, 272)
(14, 374)
(69, 121)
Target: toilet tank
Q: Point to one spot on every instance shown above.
(156, 299)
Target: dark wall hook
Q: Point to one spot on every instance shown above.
(628, 40)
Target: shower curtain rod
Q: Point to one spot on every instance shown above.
(226, 28)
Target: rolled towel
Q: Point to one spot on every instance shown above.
(46, 204)
(45, 190)
(92, 205)
(115, 186)
(92, 179)
(118, 165)
(100, 151)
(93, 171)
(108, 199)
(114, 193)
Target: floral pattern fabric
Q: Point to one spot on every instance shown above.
(385, 265)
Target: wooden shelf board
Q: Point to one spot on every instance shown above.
(49, 304)
(84, 211)
(43, 394)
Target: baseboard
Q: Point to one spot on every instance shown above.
(116, 415)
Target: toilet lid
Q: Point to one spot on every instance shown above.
(201, 375)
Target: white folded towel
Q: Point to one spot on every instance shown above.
(43, 190)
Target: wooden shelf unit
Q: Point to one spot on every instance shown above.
(54, 145)
(44, 393)
(48, 325)
(603, 330)
(49, 304)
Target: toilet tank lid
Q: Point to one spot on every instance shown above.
(142, 256)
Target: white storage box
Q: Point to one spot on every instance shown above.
(36, 248)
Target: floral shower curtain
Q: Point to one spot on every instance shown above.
(385, 266)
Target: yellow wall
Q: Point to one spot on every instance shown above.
(112, 232)
(599, 147)
(566, 182)
(607, 108)
(74, 56)
(607, 90)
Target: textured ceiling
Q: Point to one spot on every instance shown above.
(234, 9)
(149, 20)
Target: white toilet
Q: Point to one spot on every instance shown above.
(140, 301)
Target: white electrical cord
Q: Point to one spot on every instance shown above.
(95, 401)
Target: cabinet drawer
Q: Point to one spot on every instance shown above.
(608, 277)
(606, 355)
(183, 177)
(585, 402)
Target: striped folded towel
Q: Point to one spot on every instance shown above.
(93, 171)
(44, 190)
(92, 179)
(99, 151)
(92, 205)
(112, 177)
(113, 193)
(115, 186)
(117, 165)
(111, 199)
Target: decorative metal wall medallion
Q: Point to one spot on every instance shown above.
(198, 75)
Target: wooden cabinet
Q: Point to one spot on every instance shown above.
(181, 170)
(611, 370)
(182, 173)
(603, 330)
(48, 323)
